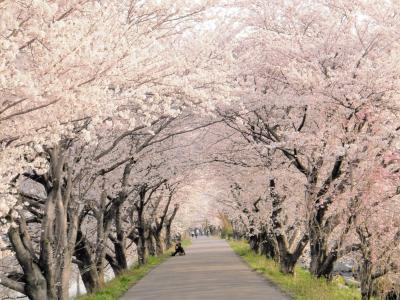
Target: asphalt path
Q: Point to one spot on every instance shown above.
(209, 271)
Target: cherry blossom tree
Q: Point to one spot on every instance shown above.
(317, 95)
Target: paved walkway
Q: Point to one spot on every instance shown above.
(209, 271)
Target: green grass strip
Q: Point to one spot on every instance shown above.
(116, 287)
(301, 286)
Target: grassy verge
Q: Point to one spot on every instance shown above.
(302, 286)
(116, 287)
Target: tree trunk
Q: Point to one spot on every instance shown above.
(141, 246)
(68, 218)
(120, 243)
(322, 261)
(150, 245)
(35, 282)
(168, 240)
(254, 242)
(366, 281)
(287, 257)
(47, 250)
(318, 252)
(365, 273)
(141, 251)
(287, 264)
(168, 225)
(268, 246)
(86, 265)
(159, 244)
(120, 257)
(105, 218)
(66, 273)
(37, 292)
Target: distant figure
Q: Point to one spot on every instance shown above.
(179, 249)
(195, 233)
(192, 233)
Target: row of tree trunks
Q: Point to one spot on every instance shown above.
(259, 130)
(47, 270)
(92, 256)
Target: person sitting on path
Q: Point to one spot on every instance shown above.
(179, 249)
